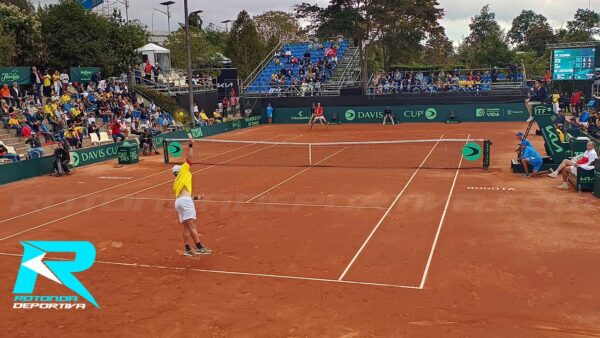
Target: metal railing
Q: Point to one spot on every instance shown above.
(172, 88)
(289, 90)
(349, 69)
(252, 77)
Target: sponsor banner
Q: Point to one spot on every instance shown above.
(10, 75)
(93, 155)
(408, 114)
(83, 74)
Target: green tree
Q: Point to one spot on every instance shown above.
(203, 52)
(216, 37)
(438, 50)
(124, 37)
(23, 5)
(21, 39)
(276, 26)
(522, 25)
(245, 48)
(486, 45)
(394, 26)
(585, 21)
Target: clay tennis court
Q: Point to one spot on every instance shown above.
(407, 240)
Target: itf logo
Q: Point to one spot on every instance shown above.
(59, 271)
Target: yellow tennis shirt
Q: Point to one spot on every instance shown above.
(183, 180)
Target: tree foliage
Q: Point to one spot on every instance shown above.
(203, 52)
(524, 23)
(486, 44)
(586, 23)
(276, 26)
(245, 48)
(21, 39)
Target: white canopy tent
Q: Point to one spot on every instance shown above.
(157, 55)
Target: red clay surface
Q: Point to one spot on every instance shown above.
(517, 260)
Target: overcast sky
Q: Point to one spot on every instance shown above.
(456, 21)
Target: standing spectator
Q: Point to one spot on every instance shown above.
(36, 150)
(548, 79)
(556, 101)
(270, 113)
(5, 154)
(64, 80)
(157, 70)
(47, 84)
(16, 94)
(37, 80)
(494, 74)
(61, 161)
(56, 84)
(575, 100)
(148, 71)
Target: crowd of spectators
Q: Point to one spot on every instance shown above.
(57, 110)
(229, 106)
(416, 81)
(300, 73)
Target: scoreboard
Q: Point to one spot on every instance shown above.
(574, 64)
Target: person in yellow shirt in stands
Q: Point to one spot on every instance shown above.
(217, 116)
(56, 84)
(205, 118)
(65, 98)
(184, 204)
(75, 111)
(47, 83)
(556, 101)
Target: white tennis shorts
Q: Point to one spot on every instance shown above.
(185, 208)
(319, 118)
(574, 170)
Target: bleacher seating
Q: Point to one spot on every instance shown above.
(262, 82)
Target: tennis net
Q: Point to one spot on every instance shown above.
(431, 153)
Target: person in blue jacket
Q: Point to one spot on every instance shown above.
(530, 157)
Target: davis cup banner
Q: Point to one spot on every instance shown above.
(10, 75)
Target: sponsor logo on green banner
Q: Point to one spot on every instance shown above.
(429, 113)
(586, 180)
(19, 75)
(301, 116)
(350, 115)
(542, 110)
(472, 151)
(488, 112)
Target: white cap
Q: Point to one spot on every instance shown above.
(176, 170)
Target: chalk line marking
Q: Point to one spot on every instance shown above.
(389, 209)
(296, 175)
(120, 185)
(237, 273)
(441, 224)
(267, 203)
(131, 194)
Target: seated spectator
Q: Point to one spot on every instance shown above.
(14, 123)
(583, 119)
(26, 130)
(205, 118)
(17, 94)
(93, 128)
(73, 138)
(62, 158)
(36, 150)
(5, 154)
(217, 116)
(5, 95)
(117, 131)
(146, 143)
(584, 161)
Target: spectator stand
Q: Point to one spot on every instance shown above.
(406, 81)
(297, 69)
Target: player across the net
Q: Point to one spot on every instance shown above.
(351, 154)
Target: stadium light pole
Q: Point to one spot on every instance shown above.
(226, 22)
(188, 47)
(168, 13)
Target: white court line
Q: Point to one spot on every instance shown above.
(120, 185)
(387, 212)
(133, 193)
(303, 171)
(441, 224)
(267, 203)
(237, 273)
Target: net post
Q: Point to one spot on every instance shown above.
(166, 151)
(486, 153)
(310, 154)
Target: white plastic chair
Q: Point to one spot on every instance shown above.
(104, 137)
(95, 139)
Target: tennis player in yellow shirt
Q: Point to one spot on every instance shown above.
(184, 204)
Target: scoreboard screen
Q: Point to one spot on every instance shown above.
(574, 64)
